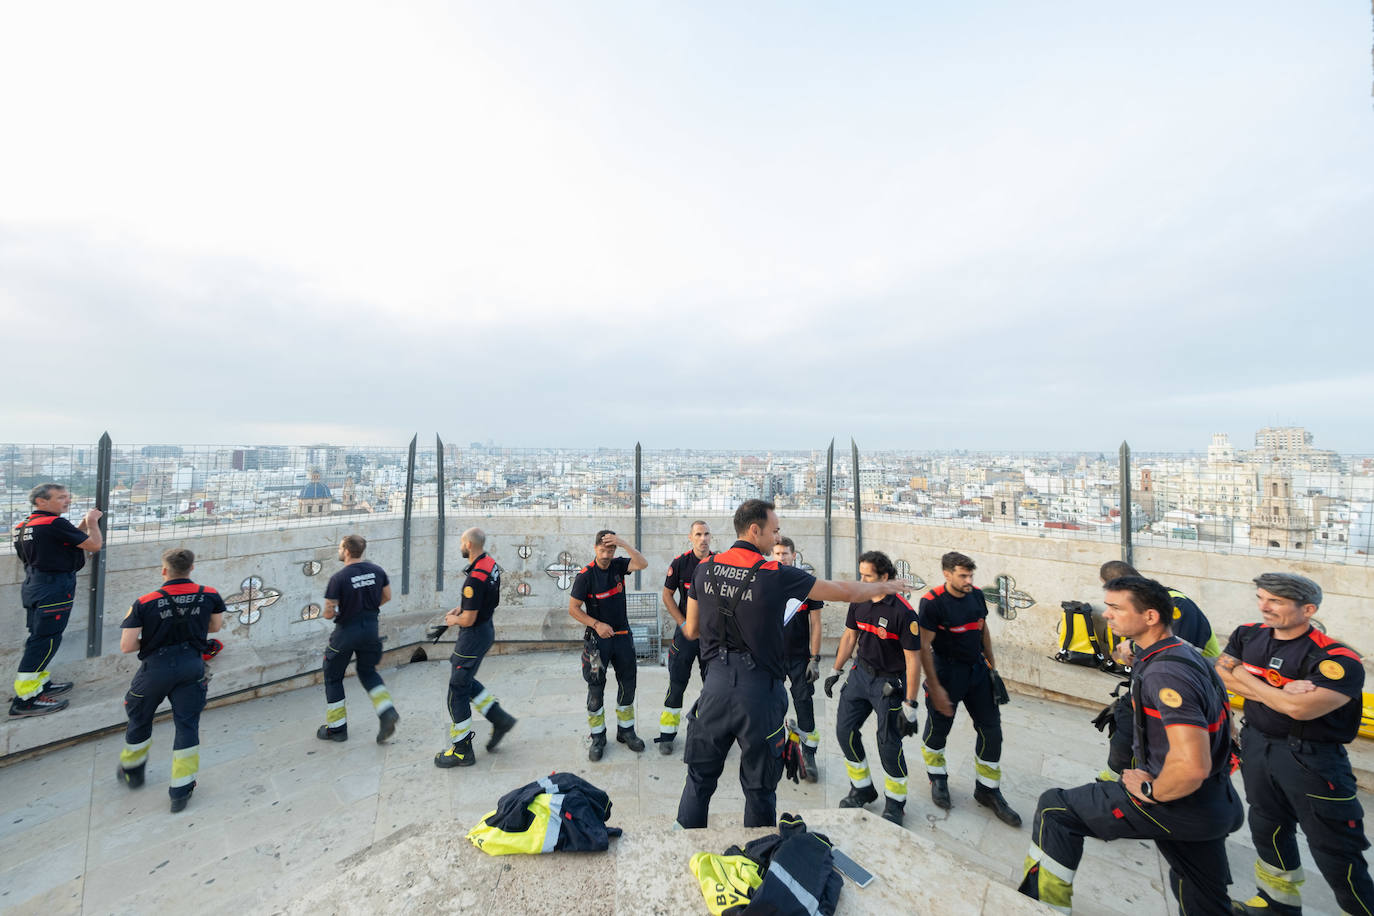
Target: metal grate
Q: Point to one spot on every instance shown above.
(642, 608)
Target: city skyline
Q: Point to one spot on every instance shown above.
(707, 227)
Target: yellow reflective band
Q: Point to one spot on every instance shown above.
(185, 765)
(1282, 886)
(625, 715)
(597, 720)
(335, 714)
(29, 684)
(669, 719)
(482, 702)
(134, 755)
(381, 698)
(935, 760)
(813, 739)
(457, 730)
(895, 788)
(858, 773)
(988, 774)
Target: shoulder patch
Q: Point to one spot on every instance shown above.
(1331, 670)
(467, 591)
(1177, 613)
(915, 628)
(1170, 698)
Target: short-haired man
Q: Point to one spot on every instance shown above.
(169, 629)
(801, 635)
(956, 650)
(1180, 795)
(52, 550)
(738, 600)
(883, 681)
(683, 653)
(597, 601)
(1189, 624)
(476, 633)
(353, 599)
(1302, 693)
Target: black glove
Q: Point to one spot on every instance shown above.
(999, 690)
(434, 632)
(1105, 721)
(907, 724)
(830, 683)
(792, 765)
(813, 670)
(591, 649)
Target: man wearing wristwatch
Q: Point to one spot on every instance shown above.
(1180, 795)
(801, 636)
(887, 637)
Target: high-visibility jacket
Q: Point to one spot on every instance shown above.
(559, 812)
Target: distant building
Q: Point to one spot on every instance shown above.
(1278, 521)
(315, 498)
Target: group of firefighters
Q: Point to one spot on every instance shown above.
(748, 618)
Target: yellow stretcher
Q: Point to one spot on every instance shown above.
(1366, 712)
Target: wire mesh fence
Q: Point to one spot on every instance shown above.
(1281, 500)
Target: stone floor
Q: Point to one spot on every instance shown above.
(279, 817)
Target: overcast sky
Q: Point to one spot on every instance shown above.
(709, 224)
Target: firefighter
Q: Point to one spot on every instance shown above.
(1303, 700)
(476, 633)
(598, 602)
(683, 653)
(52, 550)
(883, 681)
(353, 599)
(739, 597)
(958, 661)
(169, 629)
(801, 633)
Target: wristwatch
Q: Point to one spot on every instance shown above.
(1147, 789)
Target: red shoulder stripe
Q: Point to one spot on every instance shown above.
(150, 597)
(904, 603)
(741, 558)
(479, 574)
(1331, 646)
(485, 564)
(37, 520)
(181, 588)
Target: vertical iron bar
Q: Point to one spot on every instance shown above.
(639, 506)
(439, 548)
(405, 525)
(858, 511)
(829, 492)
(95, 616)
(1126, 548)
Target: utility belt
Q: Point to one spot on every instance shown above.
(171, 650)
(1295, 742)
(739, 656)
(874, 672)
(357, 618)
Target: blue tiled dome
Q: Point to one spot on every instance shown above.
(315, 490)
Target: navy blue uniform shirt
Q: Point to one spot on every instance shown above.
(176, 613)
(48, 543)
(602, 592)
(358, 590)
(760, 610)
(482, 588)
(956, 622)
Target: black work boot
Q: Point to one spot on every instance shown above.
(992, 798)
(501, 722)
(894, 811)
(627, 737)
(325, 733)
(809, 758)
(665, 744)
(939, 792)
(57, 688)
(131, 778)
(598, 747)
(179, 802)
(458, 754)
(41, 705)
(859, 796)
(386, 723)
(1261, 905)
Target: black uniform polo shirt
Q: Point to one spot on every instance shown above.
(179, 612)
(49, 543)
(1178, 693)
(957, 623)
(760, 609)
(482, 588)
(886, 629)
(679, 577)
(796, 633)
(602, 592)
(358, 590)
(1314, 657)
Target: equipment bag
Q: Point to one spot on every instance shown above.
(1078, 642)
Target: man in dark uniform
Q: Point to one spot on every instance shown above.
(1180, 796)
(883, 681)
(353, 599)
(683, 653)
(52, 550)
(1189, 625)
(736, 608)
(476, 633)
(957, 655)
(1302, 693)
(598, 602)
(801, 637)
(169, 629)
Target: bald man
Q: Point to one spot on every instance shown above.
(481, 595)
